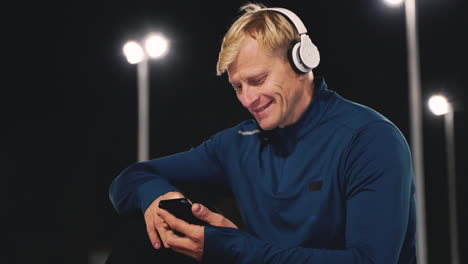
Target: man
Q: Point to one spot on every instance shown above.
(317, 178)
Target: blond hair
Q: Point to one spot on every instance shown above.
(273, 32)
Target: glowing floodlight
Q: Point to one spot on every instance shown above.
(394, 2)
(439, 105)
(156, 46)
(134, 52)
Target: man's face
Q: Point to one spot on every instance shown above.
(268, 87)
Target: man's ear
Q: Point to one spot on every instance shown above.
(305, 76)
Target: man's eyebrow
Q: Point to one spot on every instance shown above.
(257, 76)
(251, 77)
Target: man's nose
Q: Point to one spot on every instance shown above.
(249, 97)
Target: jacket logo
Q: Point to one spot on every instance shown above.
(315, 185)
(248, 133)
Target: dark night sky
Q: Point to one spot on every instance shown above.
(71, 117)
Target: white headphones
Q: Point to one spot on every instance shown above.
(304, 54)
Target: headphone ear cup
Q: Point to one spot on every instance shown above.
(308, 53)
(295, 59)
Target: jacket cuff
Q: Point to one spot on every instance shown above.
(221, 245)
(151, 190)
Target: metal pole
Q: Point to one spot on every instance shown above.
(452, 186)
(416, 127)
(143, 110)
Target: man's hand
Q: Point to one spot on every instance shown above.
(193, 242)
(154, 224)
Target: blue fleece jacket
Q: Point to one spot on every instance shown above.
(335, 187)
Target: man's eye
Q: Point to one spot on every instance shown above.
(258, 81)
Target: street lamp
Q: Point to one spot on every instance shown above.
(439, 105)
(414, 80)
(415, 122)
(155, 46)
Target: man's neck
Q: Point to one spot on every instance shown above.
(304, 100)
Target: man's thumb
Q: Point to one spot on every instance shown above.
(201, 212)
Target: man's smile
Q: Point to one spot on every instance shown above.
(258, 110)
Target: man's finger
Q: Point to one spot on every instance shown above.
(174, 240)
(193, 254)
(153, 236)
(168, 233)
(176, 223)
(185, 245)
(162, 228)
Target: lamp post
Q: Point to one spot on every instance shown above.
(155, 46)
(415, 122)
(439, 105)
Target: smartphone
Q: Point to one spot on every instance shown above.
(182, 209)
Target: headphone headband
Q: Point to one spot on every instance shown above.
(304, 54)
(301, 29)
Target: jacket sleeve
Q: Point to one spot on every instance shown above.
(141, 183)
(378, 192)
